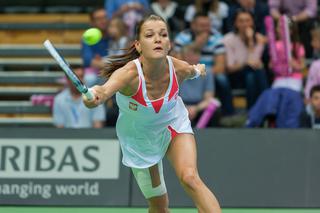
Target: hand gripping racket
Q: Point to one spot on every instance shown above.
(81, 87)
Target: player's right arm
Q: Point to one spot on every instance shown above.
(121, 80)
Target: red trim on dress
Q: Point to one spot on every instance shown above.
(174, 87)
(139, 95)
(173, 132)
(157, 104)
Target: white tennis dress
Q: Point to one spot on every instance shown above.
(145, 127)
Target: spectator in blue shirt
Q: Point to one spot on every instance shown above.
(200, 44)
(69, 110)
(119, 7)
(92, 55)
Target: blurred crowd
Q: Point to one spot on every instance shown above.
(237, 45)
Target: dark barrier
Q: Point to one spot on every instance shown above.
(254, 168)
(244, 167)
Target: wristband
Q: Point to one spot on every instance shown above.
(197, 73)
(89, 94)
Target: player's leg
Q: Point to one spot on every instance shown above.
(159, 204)
(182, 155)
(153, 187)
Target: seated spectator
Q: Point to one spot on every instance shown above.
(197, 93)
(258, 8)
(69, 110)
(310, 117)
(298, 10)
(171, 13)
(281, 105)
(314, 71)
(130, 11)
(92, 55)
(215, 9)
(289, 75)
(118, 39)
(301, 11)
(244, 48)
(200, 45)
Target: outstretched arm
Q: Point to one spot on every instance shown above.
(119, 81)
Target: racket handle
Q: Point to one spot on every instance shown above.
(89, 94)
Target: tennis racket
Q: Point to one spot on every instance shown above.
(81, 87)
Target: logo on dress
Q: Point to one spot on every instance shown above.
(133, 106)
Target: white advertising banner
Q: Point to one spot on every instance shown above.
(59, 158)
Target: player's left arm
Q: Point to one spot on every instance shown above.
(184, 70)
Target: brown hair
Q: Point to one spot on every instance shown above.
(120, 25)
(114, 62)
(93, 11)
(214, 6)
(205, 7)
(314, 89)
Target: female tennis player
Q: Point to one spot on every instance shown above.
(153, 121)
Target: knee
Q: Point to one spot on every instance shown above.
(189, 178)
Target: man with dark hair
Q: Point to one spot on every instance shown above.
(310, 117)
(200, 44)
(92, 54)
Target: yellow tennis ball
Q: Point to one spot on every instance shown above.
(92, 36)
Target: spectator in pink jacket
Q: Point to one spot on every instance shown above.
(289, 75)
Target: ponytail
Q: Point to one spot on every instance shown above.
(114, 62)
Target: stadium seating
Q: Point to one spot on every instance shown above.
(17, 107)
(29, 79)
(49, 6)
(35, 28)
